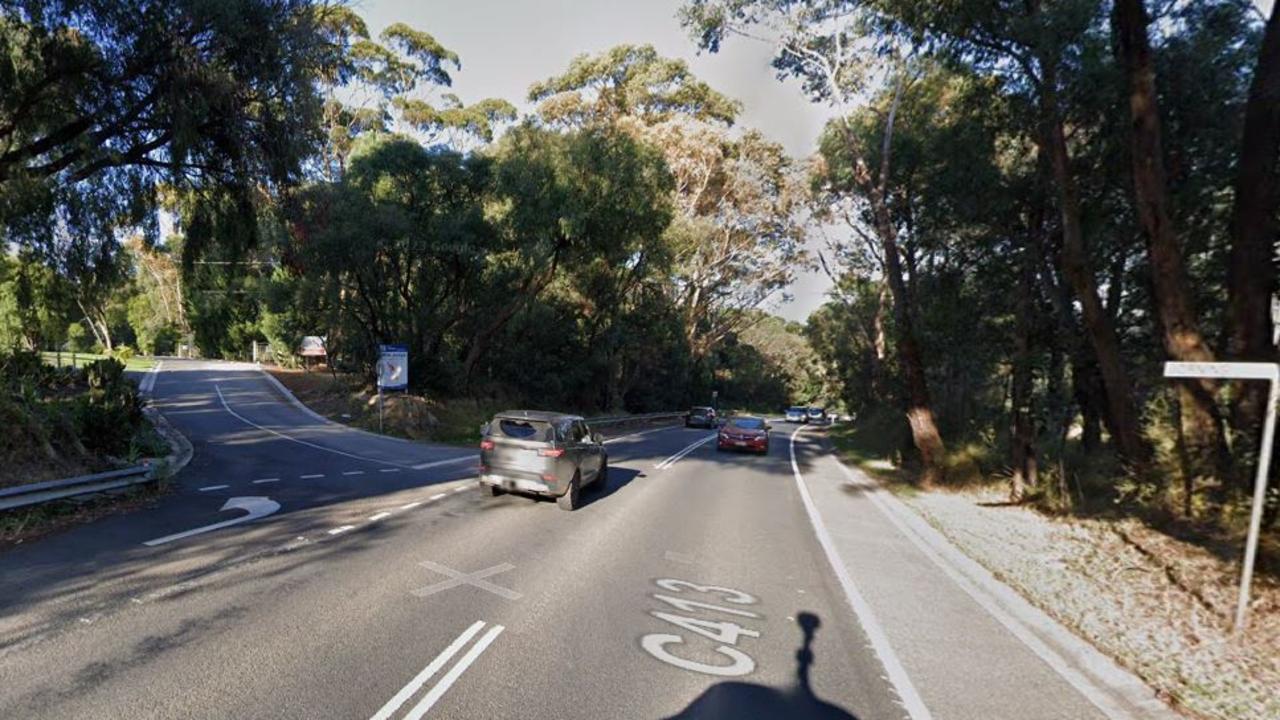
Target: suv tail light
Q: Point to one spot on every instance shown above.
(551, 452)
(486, 444)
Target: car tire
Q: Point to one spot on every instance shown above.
(602, 477)
(490, 490)
(569, 499)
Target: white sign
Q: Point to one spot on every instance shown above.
(1244, 371)
(312, 346)
(1225, 370)
(393, 367)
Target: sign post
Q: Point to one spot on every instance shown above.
(1244, 371)
(393, 372)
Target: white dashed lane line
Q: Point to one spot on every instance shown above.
(341, 529)
(412, 505)
(312, 477)
(379, 516)
(266, 480)
(207, 488)
(389, 470)
(353, 472)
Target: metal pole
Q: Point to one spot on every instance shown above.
(379, 408)
(1259, 495)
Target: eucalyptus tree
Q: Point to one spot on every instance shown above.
(736, 237)
(831, 48)
(394, 84)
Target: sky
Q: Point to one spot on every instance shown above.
(507, 45)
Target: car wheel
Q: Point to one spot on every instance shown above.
(569, 500)
(490, 490)
(602, 477)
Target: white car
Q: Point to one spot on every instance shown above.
(817, 415)
(797, 414)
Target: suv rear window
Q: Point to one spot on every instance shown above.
(525, 429)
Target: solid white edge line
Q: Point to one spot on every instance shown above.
(679, 455)
(430, 670)
(642, 432)
(1048, 655)
(149, 381)
(207, 488)
(437, 463)
(911, 701)
(290, 438)
(454, 673)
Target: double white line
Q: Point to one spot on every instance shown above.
(441, 687)
(676, 458)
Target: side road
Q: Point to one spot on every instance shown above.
(943, 619)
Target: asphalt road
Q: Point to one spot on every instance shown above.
(692, 585)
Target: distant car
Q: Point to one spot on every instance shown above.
(797, 414)
(545, 453)
(701, 416)
(817, 415)
(744, 433)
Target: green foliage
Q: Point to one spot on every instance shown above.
(109, 414)
(628, 80)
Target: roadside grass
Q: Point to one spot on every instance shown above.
(67, 359)
(1157, 597)
(22, 525)
(349, 400)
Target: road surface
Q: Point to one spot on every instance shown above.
(381, 583)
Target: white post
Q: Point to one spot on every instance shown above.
(379, 407)
(1244, 371)
(1259, 496)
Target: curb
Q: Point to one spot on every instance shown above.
(180, 446)
(1118, 691)
(293, 400)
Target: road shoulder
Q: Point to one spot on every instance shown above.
(938, 604)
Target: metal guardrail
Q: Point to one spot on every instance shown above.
(611, 419)
(34, 493)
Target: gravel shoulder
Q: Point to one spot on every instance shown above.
(1159, 606)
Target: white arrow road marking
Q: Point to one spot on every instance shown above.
(257, 507)
(431, 669)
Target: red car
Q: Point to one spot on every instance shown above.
(744, 433)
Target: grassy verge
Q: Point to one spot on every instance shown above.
(1159, 605)
(22, 525)
(66, 359)
(349, 400)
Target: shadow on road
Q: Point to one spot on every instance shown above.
(739, 700)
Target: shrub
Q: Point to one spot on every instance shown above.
(110, 412)
(79, 339)
(123, 353)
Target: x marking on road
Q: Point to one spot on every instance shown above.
(475, 579)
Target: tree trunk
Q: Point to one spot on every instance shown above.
(1022, 442)
(924, 427)
(1075, 265)
(1202, 420)
(1251, 274)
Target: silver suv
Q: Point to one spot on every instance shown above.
(539, 452)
